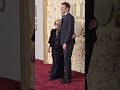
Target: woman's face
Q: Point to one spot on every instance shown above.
(57, 24)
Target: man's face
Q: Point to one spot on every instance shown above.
(64, 9)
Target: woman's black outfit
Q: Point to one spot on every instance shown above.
(57, 70)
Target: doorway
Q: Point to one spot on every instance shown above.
(52, 12)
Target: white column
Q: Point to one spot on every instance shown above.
(39, 48)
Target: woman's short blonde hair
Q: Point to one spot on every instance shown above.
(58, 20)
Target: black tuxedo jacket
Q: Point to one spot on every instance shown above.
(67, 29)
(52, 39)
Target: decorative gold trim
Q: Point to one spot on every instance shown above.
(45, 36)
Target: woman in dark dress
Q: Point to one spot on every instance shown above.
(57, 70)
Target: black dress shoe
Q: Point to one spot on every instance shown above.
(49, 78)
(61, 78)
(64, 81)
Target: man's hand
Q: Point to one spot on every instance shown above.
(49, 49)
(64, 46)
(73, 36)
(93, 24)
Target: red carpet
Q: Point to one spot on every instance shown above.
(7, 84)
(42, 83)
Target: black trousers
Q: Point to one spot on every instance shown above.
(67, 59)
(88, 53)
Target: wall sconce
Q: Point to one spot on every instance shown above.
(2, 5)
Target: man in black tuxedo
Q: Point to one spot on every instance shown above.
(91, 25)
(67, 30)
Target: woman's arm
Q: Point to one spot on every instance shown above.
(73, 36)
(50, 40)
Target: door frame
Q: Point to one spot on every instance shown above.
(25, 44)
(45, 36)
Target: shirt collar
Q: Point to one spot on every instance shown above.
(65, 13)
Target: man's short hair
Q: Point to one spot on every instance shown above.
(66, 4)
